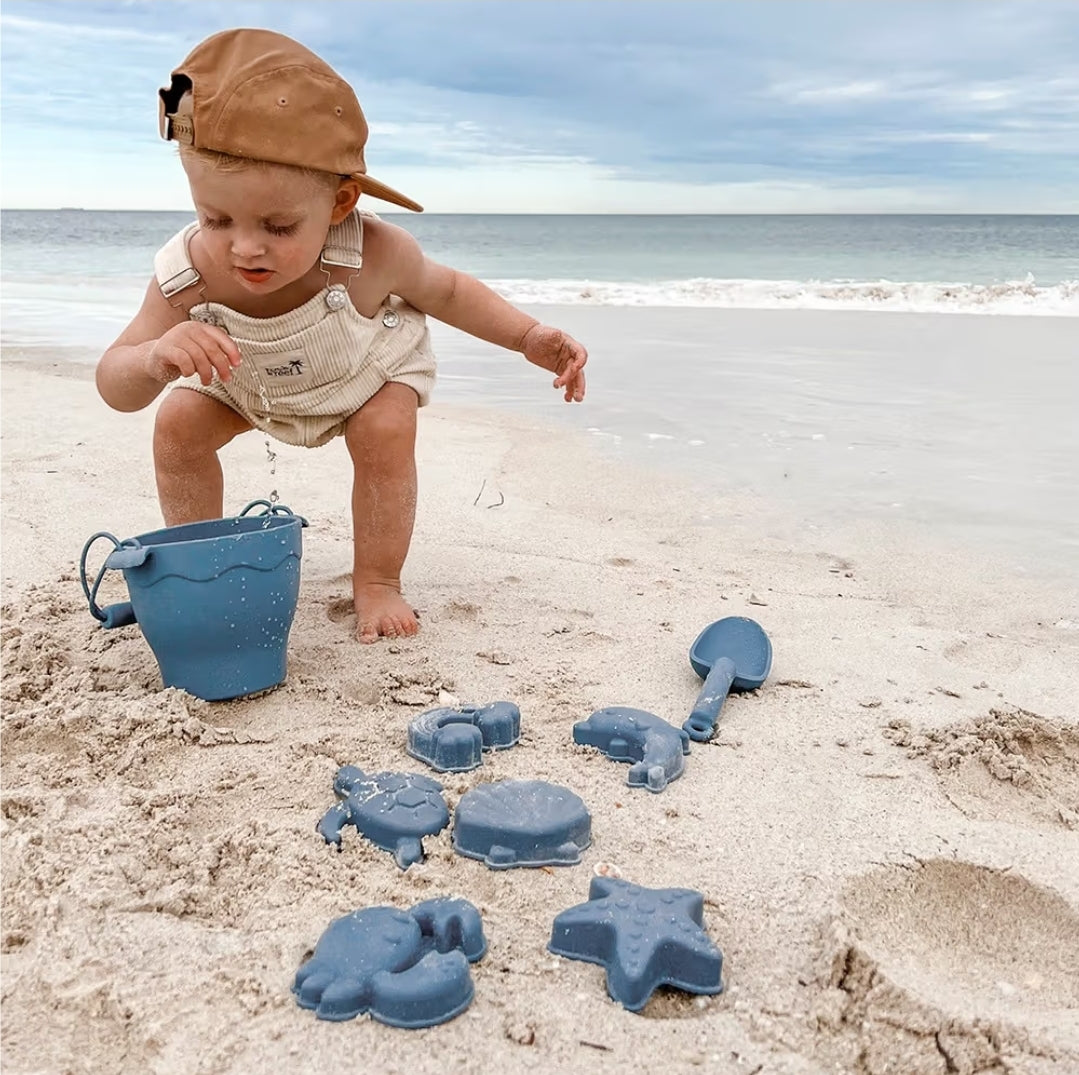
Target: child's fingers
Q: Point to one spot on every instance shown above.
(579, 388)
(219, 353)
(572, 368)
(225, 343)
(574, 387)
(204, 359)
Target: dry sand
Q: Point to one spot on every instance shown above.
(885, 835)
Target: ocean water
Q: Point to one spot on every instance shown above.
(964, 425)
(96, 264)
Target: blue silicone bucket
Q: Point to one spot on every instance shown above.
(215, 600)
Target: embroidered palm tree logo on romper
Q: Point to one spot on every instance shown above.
(292, 368)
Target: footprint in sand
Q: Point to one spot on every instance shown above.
(1008, 765)
(837, 565)
(460, 610)
(983, 652)
(339, 609)
(950, 967)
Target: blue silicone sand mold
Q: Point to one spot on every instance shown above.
(645, 937)
(452, 740)
(407, 968)
(522, 823)
(393, 810)
(656, 748)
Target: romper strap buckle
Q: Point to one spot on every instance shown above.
(183, 279)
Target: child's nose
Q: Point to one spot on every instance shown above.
(247, 245)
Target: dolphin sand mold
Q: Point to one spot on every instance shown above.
(656, 747)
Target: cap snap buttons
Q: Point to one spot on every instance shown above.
(337, 297)
(391, 319)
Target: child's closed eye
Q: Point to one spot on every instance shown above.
(281, 229)
(212, 223)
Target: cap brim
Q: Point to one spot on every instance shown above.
(385, 193)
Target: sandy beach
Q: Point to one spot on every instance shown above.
(886, 835)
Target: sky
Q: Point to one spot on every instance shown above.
(551, 106)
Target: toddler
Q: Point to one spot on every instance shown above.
(285, 308)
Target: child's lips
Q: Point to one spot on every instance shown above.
(254, 276)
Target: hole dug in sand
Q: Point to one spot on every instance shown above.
(950, 967)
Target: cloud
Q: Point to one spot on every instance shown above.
(977, 99)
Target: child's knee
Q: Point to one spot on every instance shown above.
(386, 421)
(172, 425)
(189, 421)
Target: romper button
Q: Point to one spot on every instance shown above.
(336, 297)
(206, 317)
(391, 319)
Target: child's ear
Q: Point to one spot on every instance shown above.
(348, 194)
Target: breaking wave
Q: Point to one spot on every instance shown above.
(1012, 297)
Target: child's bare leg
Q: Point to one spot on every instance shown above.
(381, 438)
(189, 430)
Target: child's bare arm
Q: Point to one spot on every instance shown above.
(466, 303)
(158, 346)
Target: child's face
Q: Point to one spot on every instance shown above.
(264, 226)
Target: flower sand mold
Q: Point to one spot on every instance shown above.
(407, 968)
(1008, 765)
(656, 748)
(522, 823)
(644, 937)
(948, 966)
(392, 810)
(453, 739)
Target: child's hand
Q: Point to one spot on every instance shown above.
(551, 349)
(193, 348)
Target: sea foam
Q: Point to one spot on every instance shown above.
(1012, 297)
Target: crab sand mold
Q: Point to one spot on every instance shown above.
(407, 968)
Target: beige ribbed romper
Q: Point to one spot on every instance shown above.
(304, 373)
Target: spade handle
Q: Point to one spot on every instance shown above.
(701, 723)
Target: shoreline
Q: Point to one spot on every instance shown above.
(904, 421)
(899, 799)
(784, 521)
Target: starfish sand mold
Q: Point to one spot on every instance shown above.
(645, 937)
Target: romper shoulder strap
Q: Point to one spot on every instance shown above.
(344, 244)
(172, 264)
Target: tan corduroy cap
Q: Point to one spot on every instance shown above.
(259, 94)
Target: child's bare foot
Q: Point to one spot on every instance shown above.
(381, 611)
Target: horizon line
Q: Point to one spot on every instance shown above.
(658, 213)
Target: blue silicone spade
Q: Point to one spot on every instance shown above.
(731, 654)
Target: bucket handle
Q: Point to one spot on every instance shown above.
(272, 509)
(127, 553)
